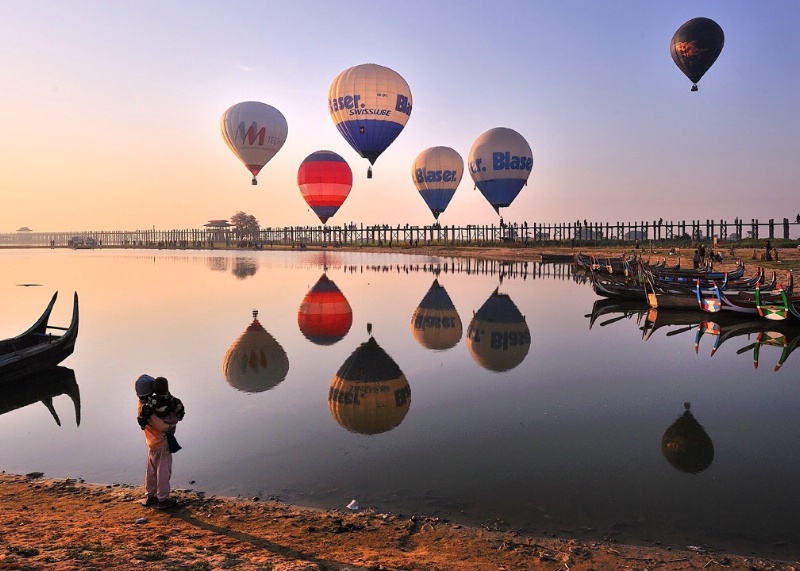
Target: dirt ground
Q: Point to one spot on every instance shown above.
(64, 525)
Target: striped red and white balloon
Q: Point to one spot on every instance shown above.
(325, 316)
(325, 180)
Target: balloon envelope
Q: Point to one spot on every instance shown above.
(498, 337)
(500, 162)
(256, 362)
(435, 323)
(255, 132)
(325, 180)
(686, 445)
(369, 394)
(436, 173)
(325, 316)
(369, 104)
(696, 46)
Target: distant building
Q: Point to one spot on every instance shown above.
(24, 229)
(218, 230)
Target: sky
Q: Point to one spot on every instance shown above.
(111, 110)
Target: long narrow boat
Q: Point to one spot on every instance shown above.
(689, 276)
(709, 304)
(776, 310)
(37, 349)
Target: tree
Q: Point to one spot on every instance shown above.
(245, 224)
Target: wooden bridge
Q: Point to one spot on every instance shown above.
(575, 233)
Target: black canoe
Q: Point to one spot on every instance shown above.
(37, 349)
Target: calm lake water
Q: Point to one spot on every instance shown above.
(483, 398)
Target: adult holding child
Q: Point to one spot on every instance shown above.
(158, 413)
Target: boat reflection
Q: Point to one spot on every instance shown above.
(617, 310)
(724, 326)
(255, 362)
(686, 445)
(498, 337)
(325, 316)
(369, 394)
(42, 387)
(435, 323)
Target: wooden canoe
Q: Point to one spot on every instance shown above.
(37, 349)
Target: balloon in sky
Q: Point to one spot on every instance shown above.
(500, 162)
(436, 173)
(325, 180)
(254, 131)
(696, 46)
(369, 104)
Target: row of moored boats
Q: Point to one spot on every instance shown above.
(702, 289)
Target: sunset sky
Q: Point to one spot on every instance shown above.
(111, 110)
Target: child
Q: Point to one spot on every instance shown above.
(154, 397)
(167, 407)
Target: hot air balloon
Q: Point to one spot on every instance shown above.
(256, 362)
(435, 323)
(498, 337)
(696, 46)
(500, 162)
(436, 173)
(369, 394)
(369, 104)
(325, 180)
(686, 445)
(254, 131)
(325, 315)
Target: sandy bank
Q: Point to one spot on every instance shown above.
(65, 525)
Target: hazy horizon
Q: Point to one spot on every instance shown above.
(112, 118)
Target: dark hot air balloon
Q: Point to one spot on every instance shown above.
(686, 445)
(696, 46)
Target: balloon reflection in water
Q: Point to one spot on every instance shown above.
(686, 445)
(435, 323)
(498, 337)
(369, 394)
(256, 362)
(324, 316)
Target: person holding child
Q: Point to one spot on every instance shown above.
(158, 412)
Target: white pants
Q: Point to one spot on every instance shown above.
(159, 471)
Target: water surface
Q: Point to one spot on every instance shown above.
(498, 404)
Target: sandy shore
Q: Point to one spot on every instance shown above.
(66, 525)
